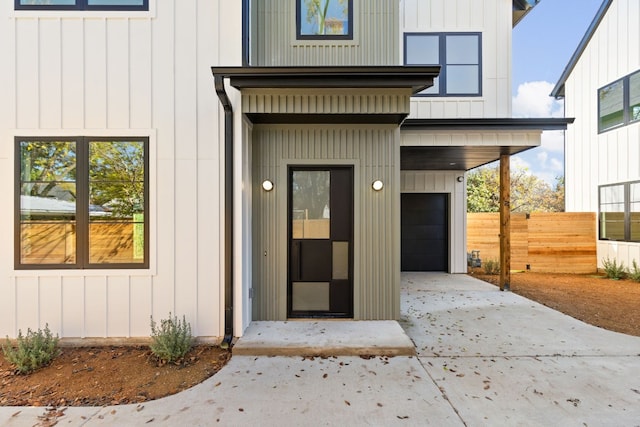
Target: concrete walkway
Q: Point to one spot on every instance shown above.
(484, 358)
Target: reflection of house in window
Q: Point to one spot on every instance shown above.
(334, 26)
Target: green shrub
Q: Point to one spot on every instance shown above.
(32, 351)
(172, 340)
(613, 269)
(491, 266)
(634, 273)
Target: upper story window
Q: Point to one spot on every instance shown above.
(82, 4)
(82, 203)
(324, 19)
(619, 212)
(619, 103)
(459, 55)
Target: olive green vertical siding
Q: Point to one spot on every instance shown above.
(375, 36)
(374, 152)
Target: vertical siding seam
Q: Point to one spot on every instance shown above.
(106, 74)
(38, 83)
(174, 145)
(197, 186)
(129, 91)
(61, 47)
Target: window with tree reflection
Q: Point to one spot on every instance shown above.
(324, 19)
(82, 203)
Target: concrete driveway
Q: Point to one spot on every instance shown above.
(484, 358)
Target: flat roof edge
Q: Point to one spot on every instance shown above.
(551, 123)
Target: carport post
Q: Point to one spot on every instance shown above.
(505, 222)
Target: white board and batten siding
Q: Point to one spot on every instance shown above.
(121, 74)
(490, 17)
(610, 157)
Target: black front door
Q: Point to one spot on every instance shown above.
(320, 242)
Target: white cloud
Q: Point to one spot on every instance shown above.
(557, 165)
(533, 100)
(553, 140)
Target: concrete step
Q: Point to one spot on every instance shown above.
(324, 338)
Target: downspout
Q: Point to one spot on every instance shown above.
(228, 210)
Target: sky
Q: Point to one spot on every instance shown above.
(543, 43)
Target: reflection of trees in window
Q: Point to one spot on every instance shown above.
(634, 97)
(48, 169)
(83, 202)
(611, 105)
(311, 194)
(318, 16)
(116, 176)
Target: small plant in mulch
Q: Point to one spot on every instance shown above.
(614, 270)
(32, 351)
(491, 266)
(634, 272)
(172, 340)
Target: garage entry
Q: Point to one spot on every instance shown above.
(424, 231)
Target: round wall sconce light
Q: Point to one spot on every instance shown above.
(267, 185)
(377, 185)
(460, 178)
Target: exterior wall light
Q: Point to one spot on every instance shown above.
(377, 185)
(460, 178)
(267, 185)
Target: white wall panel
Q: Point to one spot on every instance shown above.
(27, 304)
(27, 68)
(595, 159)
(95, 307)
(50, 73)
(118, 71)
(141, 70)
(73, 72)
(118, 306)
(50, 299)
(140, 293)
(95, 73)
(73, 297)
(114, 74)
(186, 238)
(490, 17)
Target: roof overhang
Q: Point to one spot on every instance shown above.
(558, 90)
(521, 8)
(470, 156)
(417, 78)
(318, 83)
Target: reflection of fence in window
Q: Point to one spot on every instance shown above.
(115, 242)
(612, 225)
(304, 228)
(52, 242)
(48, 242)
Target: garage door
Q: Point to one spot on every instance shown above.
(424, 232)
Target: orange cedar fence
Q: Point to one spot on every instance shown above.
(558, 242)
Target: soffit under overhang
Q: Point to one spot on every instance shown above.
(464, 144)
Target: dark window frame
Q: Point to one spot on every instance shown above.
(442, 78)
(626, 103)
(300, 36)
(82, 216)
(82, 5)
(626, 214)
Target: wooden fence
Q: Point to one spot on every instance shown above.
(559, 242)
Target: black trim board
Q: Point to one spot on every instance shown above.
(416, 78)
(512, 124)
